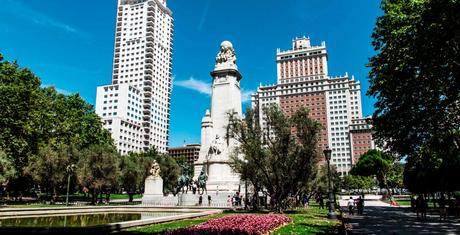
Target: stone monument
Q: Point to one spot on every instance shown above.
(153, 183)
(214, 157)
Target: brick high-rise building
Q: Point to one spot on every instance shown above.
(135, 107)
(303, 81)
(190, 151)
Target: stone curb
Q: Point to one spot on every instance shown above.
(106, 228)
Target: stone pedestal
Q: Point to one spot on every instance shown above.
(153, 186)
(153, 193)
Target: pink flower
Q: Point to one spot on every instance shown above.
(235, 224)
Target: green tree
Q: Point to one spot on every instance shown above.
(131, 174)
(170, 172)
(31, 116)
(375, 163)
(435, 168)
(7, 170)
(415, 73)
(98, 169)
(357, 182)
(48, 167)
(395, 176)
(320, 181)
(282, 162)
(19, 116)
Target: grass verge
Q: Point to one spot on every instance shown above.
(310, 221)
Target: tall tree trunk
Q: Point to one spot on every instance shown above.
(54, 194)
(93, 197)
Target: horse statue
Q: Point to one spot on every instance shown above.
(201, 182)
(184, 181)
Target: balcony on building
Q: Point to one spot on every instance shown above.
(148, 77)
(148, 89)
(150, 21)
(147, 104)
(149, 38)
(149, 66)
(148, 83)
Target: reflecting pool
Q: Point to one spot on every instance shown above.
(79, 220)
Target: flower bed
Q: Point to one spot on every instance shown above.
(235, 224)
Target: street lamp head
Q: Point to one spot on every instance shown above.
(327, 153)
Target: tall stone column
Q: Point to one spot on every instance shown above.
(226, 99)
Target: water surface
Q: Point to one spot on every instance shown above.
(79, 220)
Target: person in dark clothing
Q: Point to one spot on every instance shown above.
(442, 208)
(200, 200)
(209, 200)
(412, 203)
(421, 207)
(360, 205)
(321, 202)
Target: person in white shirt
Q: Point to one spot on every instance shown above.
(350, 205)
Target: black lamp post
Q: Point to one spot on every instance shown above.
(69, 170)
(245, 188)
(331, 215)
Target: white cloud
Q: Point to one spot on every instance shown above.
(22, 10)
(246, 95)
(204, 16)
(205, 88)
(196, 85)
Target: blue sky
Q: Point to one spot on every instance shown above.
(69, 44)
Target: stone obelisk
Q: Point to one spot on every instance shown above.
(215, 149)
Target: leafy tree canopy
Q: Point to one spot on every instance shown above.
(374, 163)
(415, 73)
(281, 162)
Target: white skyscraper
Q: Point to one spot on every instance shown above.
(135, 107)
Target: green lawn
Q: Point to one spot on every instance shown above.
(305, 221)
(310, 221)
(124, 196)
(407, 202)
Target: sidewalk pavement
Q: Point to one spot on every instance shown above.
(381, 218)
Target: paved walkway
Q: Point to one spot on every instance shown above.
(381, 218)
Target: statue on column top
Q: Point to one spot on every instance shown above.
(226, 56)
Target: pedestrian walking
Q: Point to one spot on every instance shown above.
(305, 201)
(200, 200)
(350, 205)
(360, 205)
(209, 200)
(321, 202)
(442, 208)
(421, 207)
(229, 201)
(412, 203)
